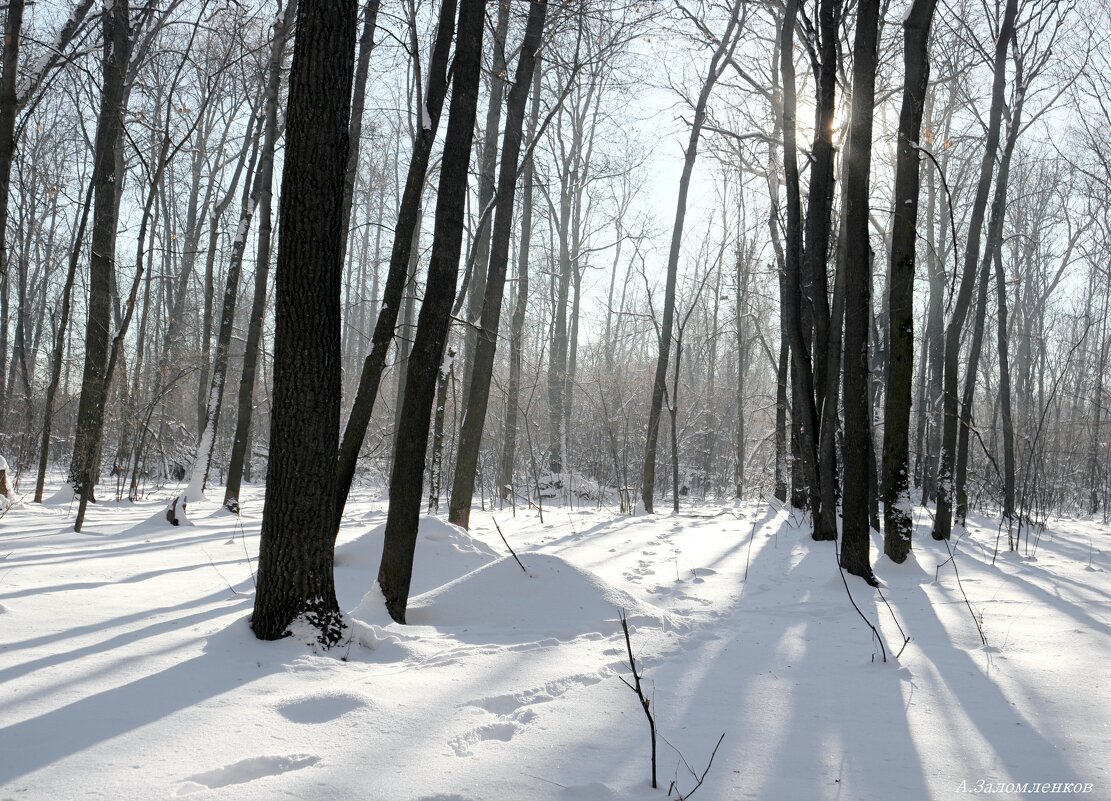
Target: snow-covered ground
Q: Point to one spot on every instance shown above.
(128, 671)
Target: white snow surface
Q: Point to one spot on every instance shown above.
(128, 669)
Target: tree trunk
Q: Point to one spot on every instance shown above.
(520, 305)
(13, 31)
(295, 578)
(358, 104)
(804, 417)
(722, 53)
(943, 519)
(898, 520)
(474, 418)
(488, 161)
(265, 182)
(993, 243)
(407, 475)
(855, 530)
(408, 221)
(818, 214)
(60, 344)
(94, 384)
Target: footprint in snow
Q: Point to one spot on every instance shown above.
(513, 712)
(502, 730)
(320, 708)
(246, 770)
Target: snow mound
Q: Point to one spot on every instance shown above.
(555, 599)
(444, 552)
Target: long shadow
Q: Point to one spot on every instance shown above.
(786, 700)
(1023, 752)
(37, 742)
(125, 637)
(81, 551)
(134, 579)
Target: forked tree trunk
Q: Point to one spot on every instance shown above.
(407, 475)
(819, 209)
(408, 221)
(474, 419)
(992, 245)
(60, 345)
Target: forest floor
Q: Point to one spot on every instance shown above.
(128, 671)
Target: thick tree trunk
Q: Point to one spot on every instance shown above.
(898, 520)
(408, 221)
(94, 384)
(295, 578)
(407, 476)
(659, 386)
(855, 530)
(474, 418)
(943, 519)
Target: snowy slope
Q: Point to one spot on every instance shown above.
(128, 671)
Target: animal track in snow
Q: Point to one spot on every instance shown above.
(246, 770)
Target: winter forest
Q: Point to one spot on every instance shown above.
(459, 400)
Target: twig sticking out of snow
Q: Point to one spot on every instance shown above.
(953, 558)
(875, 632)
(510, 547)
(645, 702)
(698, 778)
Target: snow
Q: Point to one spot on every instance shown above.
(128, 670)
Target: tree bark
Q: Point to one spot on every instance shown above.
(943, 518)
(992, 245)
(265, 182)
(408, 221)
(407, 475)
(488, 161)
(898, 521)
(722, 52)
(474, 418)
(295, 578)
(13, 31)
(520, 304)
(804, 417)
(855, 529)
(94, 383)
(818, 215)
